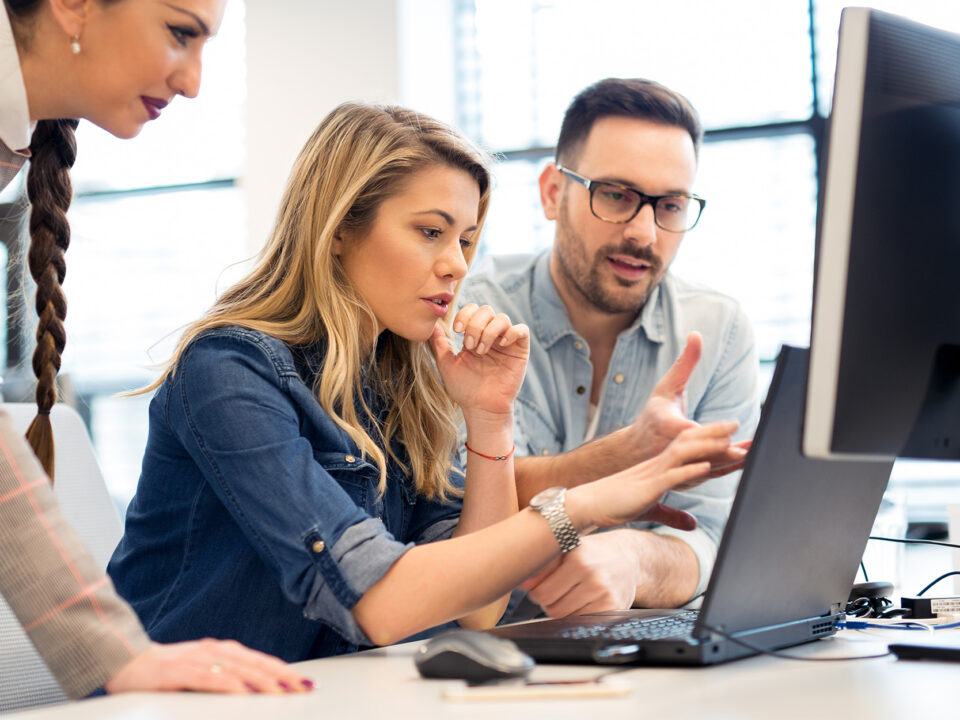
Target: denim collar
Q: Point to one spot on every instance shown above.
(550, 319)
(309, 359)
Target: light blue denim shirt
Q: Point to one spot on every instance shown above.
(255, 517)
(551, 409)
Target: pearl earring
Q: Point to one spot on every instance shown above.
(75, 45)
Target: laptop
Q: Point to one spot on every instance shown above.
(785, 565)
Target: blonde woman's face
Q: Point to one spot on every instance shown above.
(137, 55)
(409, 263)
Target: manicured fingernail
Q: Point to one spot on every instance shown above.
(480, 348)
(251, 688)
(286, 688)
(308, 684)
(458, 327)
(469, 342)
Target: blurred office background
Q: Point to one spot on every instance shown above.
(163, 223)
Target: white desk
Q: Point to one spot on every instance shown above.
(384, 684)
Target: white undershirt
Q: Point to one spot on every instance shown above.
(593, 419)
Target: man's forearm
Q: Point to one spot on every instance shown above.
(592, 461)
(669, 570)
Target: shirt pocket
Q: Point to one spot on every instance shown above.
(356, 476)
(536, 434)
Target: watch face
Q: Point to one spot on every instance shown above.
(545, 496)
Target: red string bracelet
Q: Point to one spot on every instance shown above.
(491, 457)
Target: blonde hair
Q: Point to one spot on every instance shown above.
(358, 156)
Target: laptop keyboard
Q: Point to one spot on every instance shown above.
(654, 628)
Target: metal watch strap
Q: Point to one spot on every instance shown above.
(563, 530)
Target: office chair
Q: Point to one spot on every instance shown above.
(25, 680)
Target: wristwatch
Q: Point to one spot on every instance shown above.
(549, 503)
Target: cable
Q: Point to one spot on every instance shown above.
(864, 625)
(868, 607)
(788, 656)
(892, 613)
(864, 568)
(910, 541)
(942, 577)
(617, 671)
(859, 607)
(905, 625)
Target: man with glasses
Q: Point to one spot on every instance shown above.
(624, 355)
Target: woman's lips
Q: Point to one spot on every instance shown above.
(153, 105)
(439, 305)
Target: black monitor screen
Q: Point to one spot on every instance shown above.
(885, 344)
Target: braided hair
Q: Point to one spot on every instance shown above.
(53, 150)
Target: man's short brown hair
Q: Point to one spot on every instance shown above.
(624, 97)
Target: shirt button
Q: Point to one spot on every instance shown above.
(618, 378)
(544, 452)
(350, 458)
(319, 546)
(581, 389)
(578, 345)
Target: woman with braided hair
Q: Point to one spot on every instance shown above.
(115, 63)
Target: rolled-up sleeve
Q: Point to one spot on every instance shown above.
(362, 555)
(243, 430)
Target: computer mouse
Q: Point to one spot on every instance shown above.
(472, 656)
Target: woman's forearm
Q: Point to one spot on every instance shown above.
(490, 490)
(442, 581)
(490, 496)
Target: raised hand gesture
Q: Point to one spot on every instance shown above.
(635, 493)
(664, 417)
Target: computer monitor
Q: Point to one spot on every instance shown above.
(884, 378)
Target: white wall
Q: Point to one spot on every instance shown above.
(428, 35)
(304, 57)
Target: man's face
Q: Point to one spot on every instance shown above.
(612, 267)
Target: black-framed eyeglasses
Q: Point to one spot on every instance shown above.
(619, 204)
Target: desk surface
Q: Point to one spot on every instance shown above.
(384, 683)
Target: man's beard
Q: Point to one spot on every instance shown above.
(585, 275)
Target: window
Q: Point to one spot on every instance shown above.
(760, 74)
(745, 66)
(741, 63)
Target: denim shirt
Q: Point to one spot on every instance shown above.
(551, 408)
(255, 517)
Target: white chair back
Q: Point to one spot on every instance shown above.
(82, 494)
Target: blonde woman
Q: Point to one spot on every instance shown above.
(298, 491)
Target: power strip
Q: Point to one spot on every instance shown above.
(922, 607)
